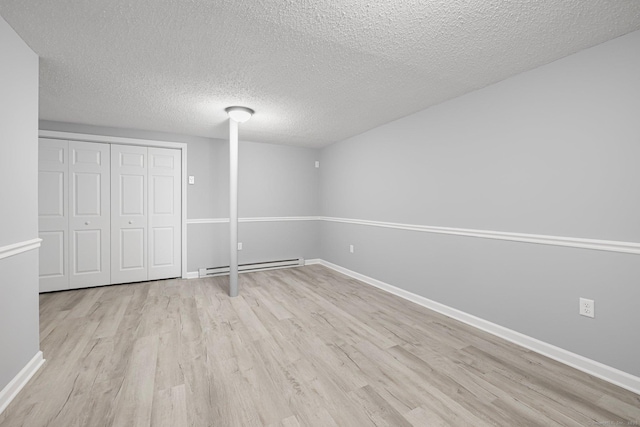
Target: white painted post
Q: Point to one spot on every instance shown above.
(233, 208)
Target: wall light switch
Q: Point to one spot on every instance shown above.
(239, 246)
(317, 164)
(192, 179)
(351, 248)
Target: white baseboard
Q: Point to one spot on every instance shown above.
(192, 275)
(19, 381)
(591, 367)
(313, 261)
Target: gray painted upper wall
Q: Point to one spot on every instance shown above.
(273, 180)
(278, 180)
(550, 151)
(19, 329)
(208, 162)
(18, 139)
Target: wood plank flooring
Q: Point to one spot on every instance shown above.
(298, 347)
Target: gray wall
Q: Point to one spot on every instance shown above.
(274, 181)
(552, 151)
(19, 329)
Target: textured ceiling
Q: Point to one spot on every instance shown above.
(315, 71)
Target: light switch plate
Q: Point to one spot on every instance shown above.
(192, 179)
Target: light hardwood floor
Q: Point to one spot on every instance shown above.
(298, 347)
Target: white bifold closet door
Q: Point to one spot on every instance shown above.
(145, 213)
(53, 207)
(129, 237)
(108, 214)
(89, 214)
(74, 214)
(165, 226)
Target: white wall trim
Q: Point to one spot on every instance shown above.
(541, 239)
(207, 221)
(601, 245)
(313, 261)
(591, 367)
(11, 390)
(280, 219)
(18, 248)
(192, 275)
(253, 219)
(182, 146)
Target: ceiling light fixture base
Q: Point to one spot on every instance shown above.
(239, 114)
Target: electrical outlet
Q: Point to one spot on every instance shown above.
(192, 179)
(239, 246)
(351, 248)
(587, 307)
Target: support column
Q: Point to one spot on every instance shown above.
(233, 208)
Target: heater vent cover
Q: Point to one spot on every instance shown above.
(256, 266)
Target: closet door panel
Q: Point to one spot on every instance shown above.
(132, 248)
(90, 214)
(165, 212)
(52, 260)
(53, 227)
(129, 214)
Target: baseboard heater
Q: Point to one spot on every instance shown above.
(256, 266)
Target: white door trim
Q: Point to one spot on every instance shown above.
(71, 136)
